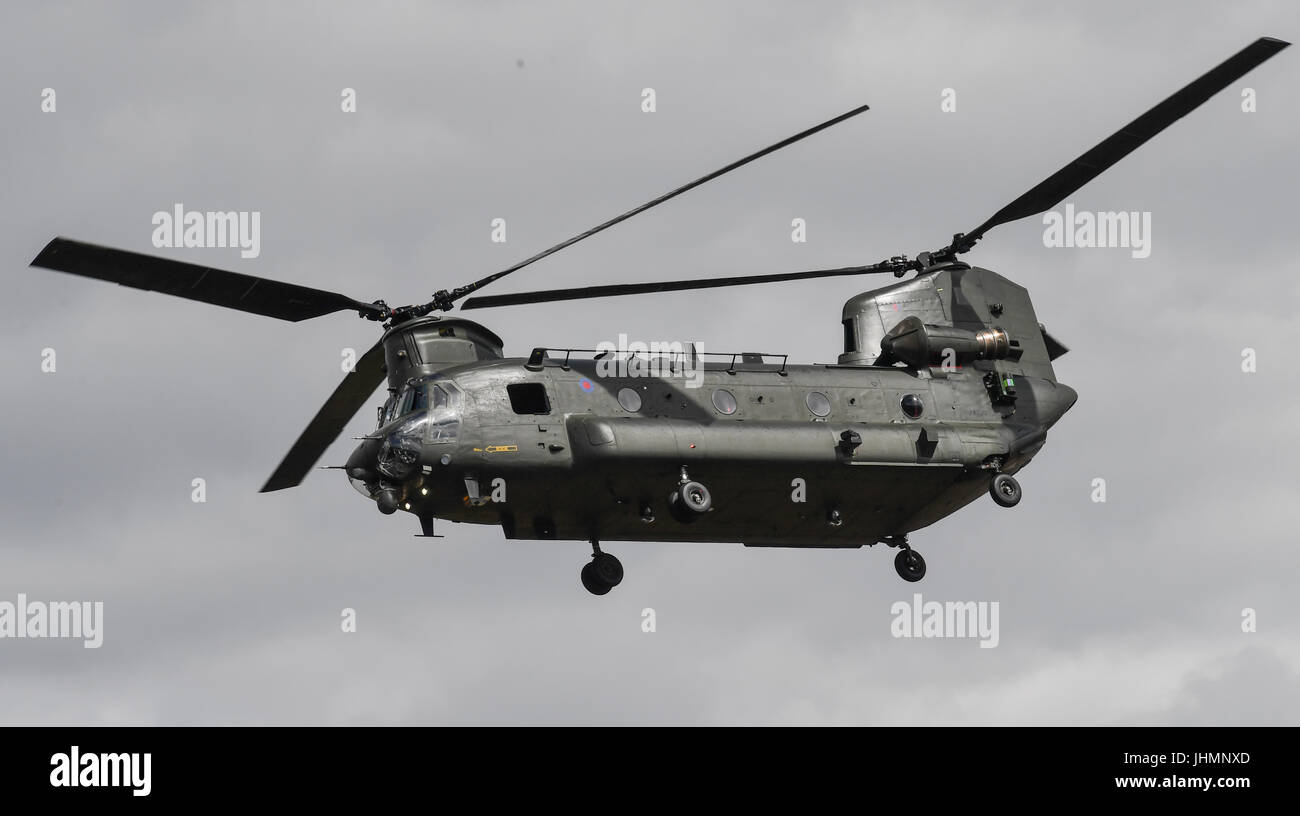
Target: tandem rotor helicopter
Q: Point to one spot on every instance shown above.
(945, 388)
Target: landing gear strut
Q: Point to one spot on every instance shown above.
(602, 573)
(908, 563)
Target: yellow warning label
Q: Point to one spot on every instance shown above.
(498, 449)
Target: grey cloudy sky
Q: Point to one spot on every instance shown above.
(228, 611)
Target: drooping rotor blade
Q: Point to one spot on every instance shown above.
(286, 301)
(325, 427)
(612, 290)
(479, 284)
(1055, 188)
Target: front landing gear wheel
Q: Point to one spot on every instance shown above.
(910, 565)
(593, 584)
(607, 569)
(1005, 490)
(602, 573)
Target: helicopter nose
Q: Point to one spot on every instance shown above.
(361, 470)
(361, 464)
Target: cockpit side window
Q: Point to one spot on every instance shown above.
(417, 397)
(413, 398)
(445, 418)
(386, 410)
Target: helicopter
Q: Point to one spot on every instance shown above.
(945, 389)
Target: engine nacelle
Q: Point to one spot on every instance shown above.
(919, 345)
(976, 312)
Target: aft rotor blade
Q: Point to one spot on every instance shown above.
(585, 292)
(325, 427)
(1055, 188)
(247, 293)
(479, 284)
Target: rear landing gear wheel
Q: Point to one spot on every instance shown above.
(910, 565)
(1005, 490)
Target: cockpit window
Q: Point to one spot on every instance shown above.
(446, 419)
(386, 410)
(414, 398)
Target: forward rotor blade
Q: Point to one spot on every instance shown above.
(286, 301)
(1055, 188)
(479, 284)
(584, 292)
(325, 427)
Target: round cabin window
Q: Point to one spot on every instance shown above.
(912, 406)
(818, 403)
(724, 401)
(629, 399)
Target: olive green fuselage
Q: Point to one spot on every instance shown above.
(591, 468)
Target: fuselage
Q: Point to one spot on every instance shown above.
(799, 455)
